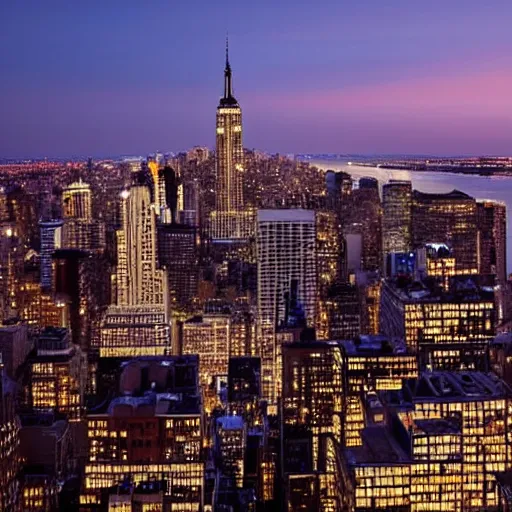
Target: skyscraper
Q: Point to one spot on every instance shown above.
(229, 148)
(450, 219)
(80, 230)
(396, 217)
(139, 281)
(138, 324)
(492, 237)
(230, 219)
(51, 231)
(286, 247)
(76, 201)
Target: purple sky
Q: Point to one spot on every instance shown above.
(105, 77)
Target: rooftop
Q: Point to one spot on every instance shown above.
(448, 196)
(448, 386)
(438, 426)
(231, 422)
(374, 345)
(379, 446)
(462, 289)
(286, 215)
(153, 386)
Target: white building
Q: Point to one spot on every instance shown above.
(286, 249)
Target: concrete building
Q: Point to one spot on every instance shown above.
(286, 255)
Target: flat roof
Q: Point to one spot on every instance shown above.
(286, 215)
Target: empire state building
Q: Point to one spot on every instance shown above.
(229, 220)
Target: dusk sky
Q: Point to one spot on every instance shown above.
(110, 77)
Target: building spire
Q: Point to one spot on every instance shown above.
(227, 52)
(228, 87)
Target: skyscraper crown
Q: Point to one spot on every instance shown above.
(228, 100)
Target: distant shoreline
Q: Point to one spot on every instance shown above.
(437, 167)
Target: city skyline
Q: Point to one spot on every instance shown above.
(380, 79)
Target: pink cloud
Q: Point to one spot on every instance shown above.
(485, 94)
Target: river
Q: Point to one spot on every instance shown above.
(480, 187)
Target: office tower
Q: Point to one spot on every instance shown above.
(47, 447)
(82, 283)
(139, 281)
(328, 263)
(339, 187)
(22, 207)
(244, 379)
(369, 286)
(448, 329)
(312, 416)
(177, 254)
(229, 150)
(363, 217)
(10, 455)
(15, 345)
(137, 325)
(80, 230)
(230, 220)
(230, 446)
(12, 263)
(286, 255)
(209, 337)
(76, 201)
(450, 219)
(57, 374)
(169, 185)
(190, 214)
(492, 233)
(51, 238)
(396, 217)
(149, 429)
(438, 447)
(343, 311)
(372, 364)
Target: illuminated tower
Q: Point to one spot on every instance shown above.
(51, 232)
(229, 148)
(76, 201)
(139, 282)
(227, 220)
(80, 230)
(396, 218)
(286, 246)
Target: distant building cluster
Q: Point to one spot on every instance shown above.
(230, 331)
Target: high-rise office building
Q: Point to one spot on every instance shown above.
(80, 230)
(57, 374)
(396, 217)
(177, 253)
(363, 216)
(286, 253)
(230, 220)
(492, 237)
(451, 219)
(229, 150)
(10, 456)
(76, 201)
(448, 329)
(139, 281)
(51, 238)
(138, 324)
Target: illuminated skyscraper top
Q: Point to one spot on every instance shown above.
(229, 150)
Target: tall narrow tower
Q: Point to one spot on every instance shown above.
(139, 281)
(229, 163)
